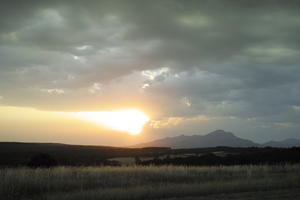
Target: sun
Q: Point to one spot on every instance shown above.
(131, 121)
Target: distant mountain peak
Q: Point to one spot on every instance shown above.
(220, 132)
(213, 139)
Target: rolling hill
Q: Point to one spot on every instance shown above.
(284, 143)
(19, 154)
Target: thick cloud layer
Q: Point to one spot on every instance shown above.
(222, 59)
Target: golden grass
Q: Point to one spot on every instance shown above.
(142, 182)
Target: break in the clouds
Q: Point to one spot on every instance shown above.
(225, 60)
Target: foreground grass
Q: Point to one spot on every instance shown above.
(287, 194)
(137, 182)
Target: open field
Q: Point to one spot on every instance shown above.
(20, 154)
(287, 194)
(149, 182)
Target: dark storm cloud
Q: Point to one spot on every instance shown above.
(186, 58)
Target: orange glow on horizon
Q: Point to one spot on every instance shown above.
(131, 121)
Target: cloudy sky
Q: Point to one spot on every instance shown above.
(192, 66)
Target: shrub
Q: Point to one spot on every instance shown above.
(42, 160)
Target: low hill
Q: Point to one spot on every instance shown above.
(19, 154)
(284, 143)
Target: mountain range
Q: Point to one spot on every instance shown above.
(214, 139)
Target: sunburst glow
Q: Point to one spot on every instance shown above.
(130, 120)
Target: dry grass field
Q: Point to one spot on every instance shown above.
(287, 194)
(151, 182)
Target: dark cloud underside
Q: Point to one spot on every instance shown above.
(182, 58)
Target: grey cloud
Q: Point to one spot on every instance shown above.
(229, 58)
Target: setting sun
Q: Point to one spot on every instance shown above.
(129, 120)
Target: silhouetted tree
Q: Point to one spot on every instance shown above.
(137, 160)
(111, 163)
(42, 160)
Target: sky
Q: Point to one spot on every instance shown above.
(191, 66)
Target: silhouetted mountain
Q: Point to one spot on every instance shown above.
(213, 139)
(284, 143)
